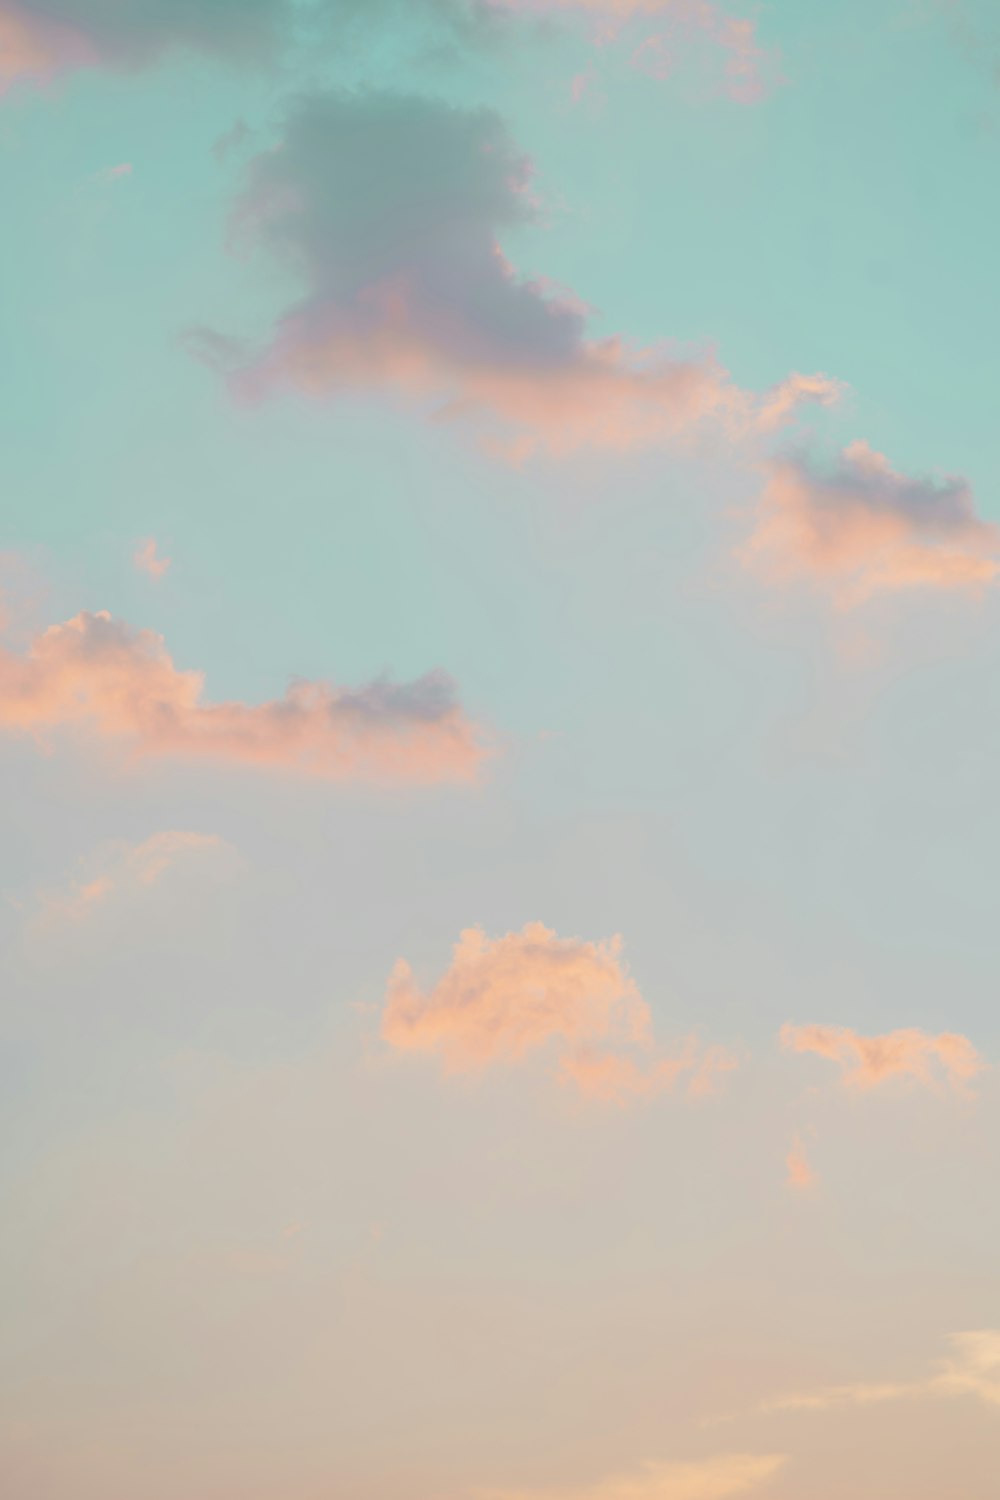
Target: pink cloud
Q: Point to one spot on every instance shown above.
(800, 1176)
(42, 39)
(503, 998)
(36, 49)
(863, 528)
(391, 211)
(147, 561)
(717, 1478)
(119, 869)
(749, 69)
(869, 1061)
(972, 1369)
(97, 673)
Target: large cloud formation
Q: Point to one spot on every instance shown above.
(506, 997)
(867, 1061)
(863, 528)
(391, 211)
(99, 673)
(42, 38)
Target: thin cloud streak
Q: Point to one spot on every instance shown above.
(710, 1479)
(973, 1369)
(121, 869)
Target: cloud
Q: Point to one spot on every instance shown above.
(506, 997)
(861, 528)
(123, 869)
(800, 1173)
(391, 211)
(40, 39)
(147, 561)
(711, 1479)
(749, 69)
(867, 1061)
(115, 173)
(98, 673)
(973, 1369)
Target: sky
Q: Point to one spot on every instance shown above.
(499, 703)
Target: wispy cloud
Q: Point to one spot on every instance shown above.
(861, 528)
(709, 1479)
(100, 674)
(120, 869)
(867, 1061)
(503, 998)
(115, 173)
(800, 1174)
(749, 70)
(972, 1369)
(391, 210)
(148, 561)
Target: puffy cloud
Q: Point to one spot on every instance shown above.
(391, 210)
(973, 1369)
(40, 39)
(99, 673)
(867, 1061)
(123, 869)
(710, 1479)
(148, 561)
(862, 528)
(749, 69)
(503, 998)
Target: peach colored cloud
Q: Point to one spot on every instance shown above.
(973, 1369)
(97, 673)
(122, 868)
(710, 1479)
(862, 528)
(391, 211)
(503, 998)
(800, 1176)
(41, 39)
(147, 560)
(867, 1061)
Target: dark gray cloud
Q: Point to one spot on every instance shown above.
(40, 39)
(50, 36)
(394, 212)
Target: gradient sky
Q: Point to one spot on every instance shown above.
(499, 708)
